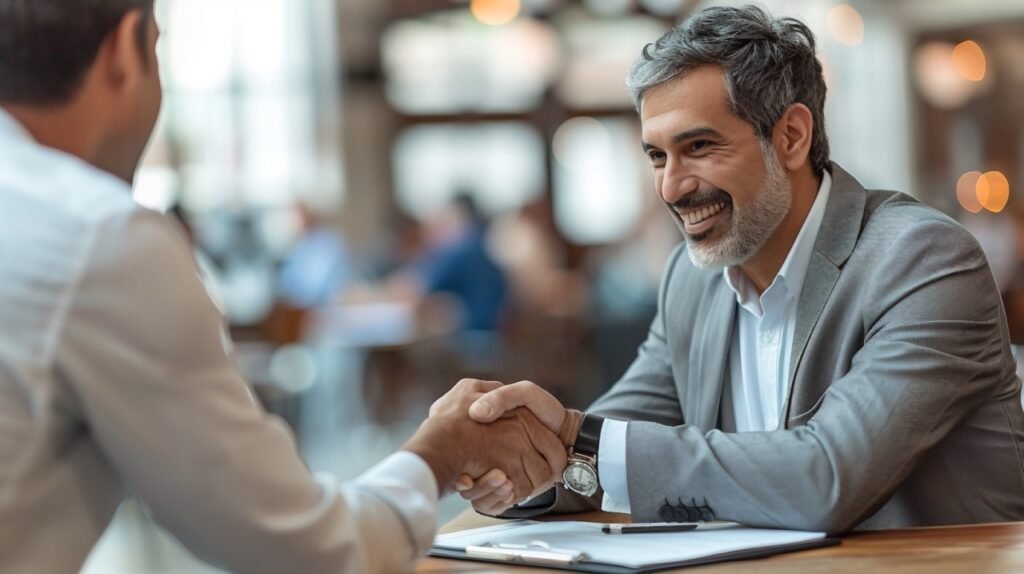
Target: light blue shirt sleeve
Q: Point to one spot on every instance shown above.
(611, 466)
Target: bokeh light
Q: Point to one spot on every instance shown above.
(937, 77)
(495, 12)
(967, 191)
(993, 191)
(969, 61)
(846, 25)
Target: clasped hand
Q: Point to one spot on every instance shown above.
(507, 442)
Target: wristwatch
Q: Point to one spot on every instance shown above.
(580, 475)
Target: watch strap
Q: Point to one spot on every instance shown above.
(589, 438)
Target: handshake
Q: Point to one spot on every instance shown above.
(496, 444)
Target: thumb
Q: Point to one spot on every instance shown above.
(495, 404)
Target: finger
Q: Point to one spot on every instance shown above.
(545, 442)
(482, 386)
(463, 483)
(497, 498)
(522, 394)
(493, 504)
(464, 390)
(487, 484)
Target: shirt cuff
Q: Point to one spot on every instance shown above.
(406, 483)
(611, 466)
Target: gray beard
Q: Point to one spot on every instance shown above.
(751, 225)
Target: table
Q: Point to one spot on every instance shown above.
(976, 549)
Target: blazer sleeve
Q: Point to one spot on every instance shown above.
(933, 352)
(144, 354)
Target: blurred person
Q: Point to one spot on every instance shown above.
(114, 372)
(456, 262)
(318, 268)
(526, 246)
(824, 357)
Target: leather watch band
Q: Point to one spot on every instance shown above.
(589, 438)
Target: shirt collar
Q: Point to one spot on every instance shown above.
(794, 269)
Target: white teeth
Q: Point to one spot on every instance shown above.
(699, 215)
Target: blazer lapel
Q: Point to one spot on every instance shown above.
(837, 237)
(709, 365)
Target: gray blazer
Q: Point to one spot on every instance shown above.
(904, 406)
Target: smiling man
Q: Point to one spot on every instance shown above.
(824, 357)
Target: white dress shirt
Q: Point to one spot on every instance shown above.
(759, 356)
(115, 379)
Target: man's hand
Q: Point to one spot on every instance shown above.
(516, 446)
(502, 399)
(486, 492)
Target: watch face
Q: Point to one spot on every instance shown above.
(580, 478)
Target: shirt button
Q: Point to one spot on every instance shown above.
(768, 336)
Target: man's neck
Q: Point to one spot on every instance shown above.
(67, 128)
(762, 268)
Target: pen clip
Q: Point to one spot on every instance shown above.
(536, 552)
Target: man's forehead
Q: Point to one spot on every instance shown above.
(697, 99)
(699, 95)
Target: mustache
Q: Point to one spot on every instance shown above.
(702, 198)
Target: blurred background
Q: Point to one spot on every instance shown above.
(388, 195)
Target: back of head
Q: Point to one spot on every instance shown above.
(47, 46)
(769, 64)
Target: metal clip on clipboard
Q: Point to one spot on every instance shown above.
(536, 552)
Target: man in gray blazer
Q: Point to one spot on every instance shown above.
(848, 368)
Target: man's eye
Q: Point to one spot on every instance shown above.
(656, 156)
(700, 145)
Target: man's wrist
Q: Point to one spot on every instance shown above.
(439, 459)
(570, 427)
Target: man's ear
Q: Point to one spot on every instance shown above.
(793, 135)
(121, 59)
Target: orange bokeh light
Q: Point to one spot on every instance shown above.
(969, 61)
(967, 191)
(993, 191)
(846, 25)
(495, 12)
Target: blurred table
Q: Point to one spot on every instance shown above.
(979, 549)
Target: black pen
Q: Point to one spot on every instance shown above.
(638, 528)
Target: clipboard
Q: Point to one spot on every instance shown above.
(506, 545)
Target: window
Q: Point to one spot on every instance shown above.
(501, 163)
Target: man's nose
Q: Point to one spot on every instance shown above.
(677, 188)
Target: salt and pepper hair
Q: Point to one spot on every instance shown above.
(769, 64)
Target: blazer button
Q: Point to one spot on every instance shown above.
(667, 513)
(692, 513)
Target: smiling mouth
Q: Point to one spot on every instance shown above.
(699, 215)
